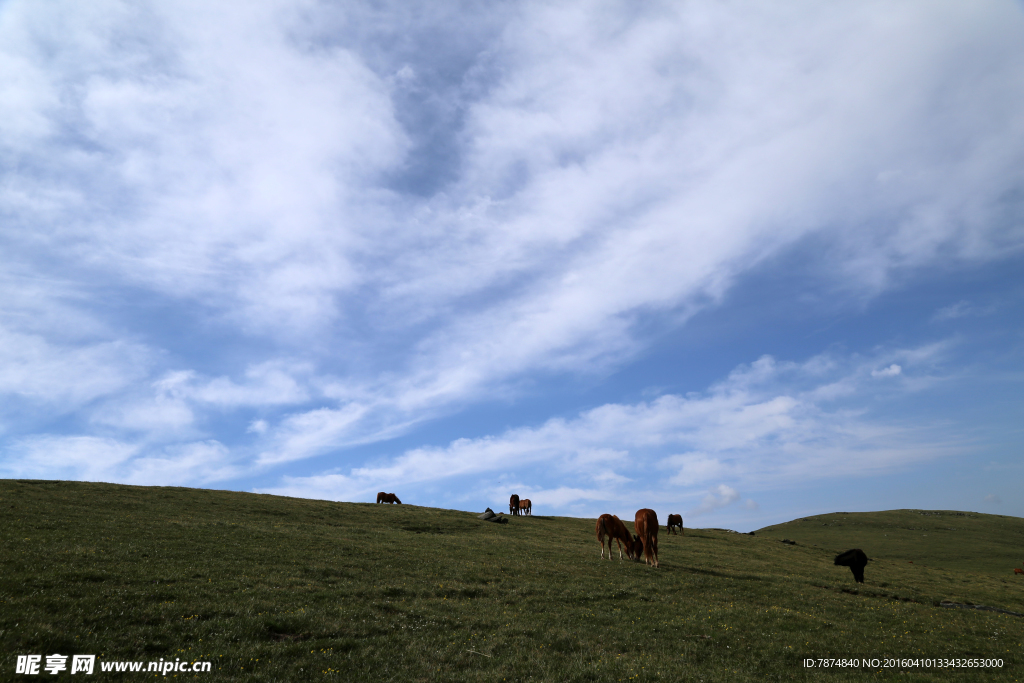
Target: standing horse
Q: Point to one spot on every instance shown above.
(513, 505)
(526, 506)
(646, 524)
(387, 498)
(675, 522)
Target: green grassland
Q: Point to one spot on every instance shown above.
(939, 539)
(277, 589)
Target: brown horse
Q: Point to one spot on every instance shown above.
(387, 498)
(612, 527)
(637, 548)
(646, 524)
(1018, 571)
(513, 504)
(525, 507)
(675, 522)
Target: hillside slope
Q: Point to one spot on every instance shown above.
(268, 588)
(944, 539)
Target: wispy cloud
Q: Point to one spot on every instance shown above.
(718, 497)
(962, 309)
(88, 458)
(767, 423)
(79, 457)
(281, 230)
(67, 375)
(953, 311)
(890, 371)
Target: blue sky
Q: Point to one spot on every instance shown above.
(742, 262)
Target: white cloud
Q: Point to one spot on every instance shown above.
(241, 165)
(655, 193)
(169, 406)
(312, 433)
(66, 376)
(694, 468)
(953, 311)
(85, 458)
(765, 425)
(961, 309)
(212, 152)
(266, 384)
(626, 162)
(200, 462)
(161, 416)
(88, 458)
(718, 497)
(890, 371)
(174, 404)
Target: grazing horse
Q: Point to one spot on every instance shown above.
(646, 524)
(856, 560)
(612, 527)
(387, 498)
(526, 506)
(513, 505)
(675, 522)
(1018, 571)
(637, 548)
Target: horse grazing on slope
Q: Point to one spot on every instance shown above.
(513, 504)
(1018, 571)
(675, 522)
(612, 527)
(646, 524)
(637, 548)
(856, 560)
(387, 498)
(526, 506)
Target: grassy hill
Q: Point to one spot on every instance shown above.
(943, 539)
(273, 589)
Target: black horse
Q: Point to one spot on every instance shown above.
(856, 560)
